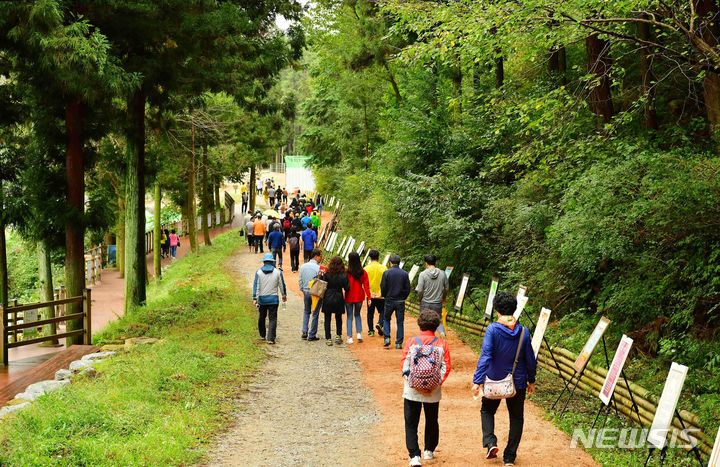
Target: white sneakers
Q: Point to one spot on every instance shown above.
(359, 337)
(350, 340)
(415, 462)
(427, 455)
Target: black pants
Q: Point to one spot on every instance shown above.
(272, 202)
(516, 409)
(338, 323)
(294, 260)
(412, 420)
(376, 304)
(244, 206)
(268, 311)
(259, 240)
(307, 255)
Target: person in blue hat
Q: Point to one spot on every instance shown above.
(266, 286)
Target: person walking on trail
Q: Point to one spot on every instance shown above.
(306, 220)
(249, 233)
(506, 349)
(165, 243)
(293, 242)
(375, 272)
(358, 292)
(425, 367)
(245, 201)
(395, 287)
(308, 272)
(309, 241)
(315, 219)
(259, 230)
(276, 244)
(266, 286)
(271, 196)
(174, 243)
(259, 187)
(432, 289)
(334, 299)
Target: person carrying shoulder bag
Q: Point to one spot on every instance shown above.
(506, 370)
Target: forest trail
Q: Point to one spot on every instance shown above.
(317, 405)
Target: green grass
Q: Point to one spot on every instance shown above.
(159, 404)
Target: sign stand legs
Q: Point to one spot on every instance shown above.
(663, 451)
(547, 344)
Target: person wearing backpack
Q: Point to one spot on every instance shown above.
(506, 353)
(293, 242)
(425, 367)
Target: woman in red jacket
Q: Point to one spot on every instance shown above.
(359, 292)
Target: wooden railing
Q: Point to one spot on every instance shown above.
(93, 265)
(16, 319)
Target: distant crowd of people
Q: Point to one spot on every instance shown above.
(341, 288)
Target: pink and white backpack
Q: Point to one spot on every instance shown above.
(425, 366)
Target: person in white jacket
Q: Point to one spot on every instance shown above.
(268, 281)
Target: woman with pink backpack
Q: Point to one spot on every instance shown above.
(425, 367)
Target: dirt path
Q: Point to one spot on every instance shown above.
(336, 421)
(307, 406)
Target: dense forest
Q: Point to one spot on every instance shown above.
(107, 105)
(570, 146)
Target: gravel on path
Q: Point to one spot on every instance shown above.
(308, 404)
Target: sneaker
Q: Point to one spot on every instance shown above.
(415, 461)
(313, 339)
(398, 346)
(338, 340)
(329, 342)
(386, 343)
(371, 333)
(304, 336)
(349, 340)
(509, 463)
(271, 342)
(492, 452)
(428, 455)
(359, 337)
(379, 330)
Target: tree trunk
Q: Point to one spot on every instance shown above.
(47, 292)
(75, 226)
(709, 30)
(647, 75)
(157, 232)
(192, 211)
(135, 259)
(599, 64)
(206, 208)
(120, 238)
(393, 82)
(3, 251)
(456, 76)
(252, 192)
(557, 65)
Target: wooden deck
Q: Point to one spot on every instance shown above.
(39, 368)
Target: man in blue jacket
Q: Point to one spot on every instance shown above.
(496, 362)
(268, 281)
(276, 243)
(395, 287)
(309, 239)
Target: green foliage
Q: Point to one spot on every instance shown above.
(156, 405)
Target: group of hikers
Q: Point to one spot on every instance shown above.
(505, 370)
(169, 243)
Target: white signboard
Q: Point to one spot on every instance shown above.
(385, 261)
(522, 292)
(361, 248)
(491, 297)
(615, 369)
(461, 293)
(401, 265)
(367, 255)
(331, 242)
(540, 330)
(413, 272)
(521, 302)
(591, 343)
(715, 456)
(449, 270)
(349, 248)
(666, 407)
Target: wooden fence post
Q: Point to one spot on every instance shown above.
(87, 316)
(15, 319)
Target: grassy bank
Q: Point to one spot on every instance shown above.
(159, 404)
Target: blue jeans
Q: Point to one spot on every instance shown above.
(397, 307)
(173, 251)
(313, 328)
(353, 310)
(278, 256)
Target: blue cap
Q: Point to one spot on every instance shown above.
(268, 258)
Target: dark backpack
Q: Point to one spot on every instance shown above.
(294, 243)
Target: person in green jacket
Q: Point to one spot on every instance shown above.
(315, 219)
